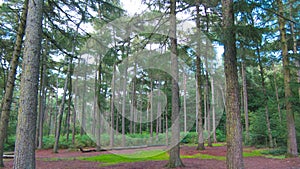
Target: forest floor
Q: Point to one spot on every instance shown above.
(70, 159)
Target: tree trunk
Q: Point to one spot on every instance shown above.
(234, 157)
(213, 109)
(68, 118)
(151, 112)
(158, 114)
(61, 110)
(62, 105)
(83, 115)
(207, 105)
(99, 121)
(124, 104)
(184, 101)
(27, 115)
(297, 61)
(276, 93)
(10, 83)
(265, 98)
(245, 100)
(199, 85)
(42, 101)
(292, 149)
(112, 108)
(174, 159)
(74, 108)
(56, 109)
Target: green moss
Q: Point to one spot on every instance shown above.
(219, 144)
(253, 153)
(263, 153)
(111, 159)
(276, 157)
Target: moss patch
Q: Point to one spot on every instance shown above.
(111, 159)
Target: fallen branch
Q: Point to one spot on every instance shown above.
(8, 156)
(87, 150)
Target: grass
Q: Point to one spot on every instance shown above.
(219, 144)
(140, 156)
(262, 153)
(111, 159)
(253, 153)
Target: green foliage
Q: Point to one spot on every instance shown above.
(275, 152)
(80, 141)
(48, 141)
(191, 137)
(9, 145)
(221, 135)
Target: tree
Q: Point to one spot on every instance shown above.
(292, 149)
(62, 105)
(7, 99)
(27, 115)
(174, 160)
(234, 157)
(265, 97)
(199, 83)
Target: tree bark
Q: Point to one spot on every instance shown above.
(234, 157)
(276, 92)
(199, 84)
(124, 103)
(292, 149)
(297, 61)
(207, 104)
(99, 121)
(27, 115)
(112, 108)
(83, 115)
(10, 83)
(184, 100)
(245, 98)
(213, 109)
(174, 159)
(42, 100)
(68, 118)
(151, 112)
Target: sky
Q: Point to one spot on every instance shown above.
(135, 7)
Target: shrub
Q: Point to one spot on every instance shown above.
(9, 145)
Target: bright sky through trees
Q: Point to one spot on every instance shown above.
(134, 7)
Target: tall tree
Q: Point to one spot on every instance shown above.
(62, 104)
(112, 107)
(199, 83)
(265, 97)
(61, 110)
(174, 159)
(292, 149)
(245, 99)
(8, 96)
(27, 115)
(234, 157)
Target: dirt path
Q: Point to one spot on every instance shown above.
(66, 159)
